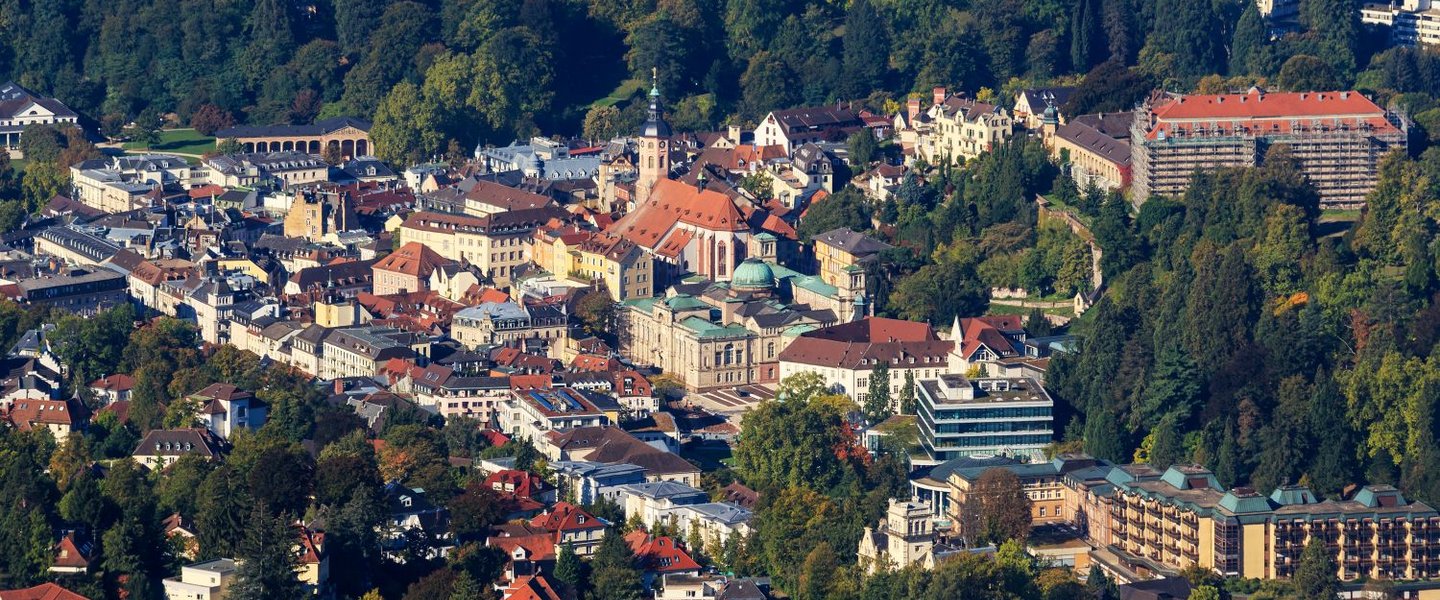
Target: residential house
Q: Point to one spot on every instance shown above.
(44, 591)
(224, 409)
(411, 512)
(957, 129)
(74, 554)
(794, 127)
(209, 580)
(59, 417)
(162, 447)
(906, 536)
(658, 556)
(649, 501)
(363, 351)
(569, 524)
(588, 481)
(1030, 104)
(843, 257)
(112, 388)
(533, 587)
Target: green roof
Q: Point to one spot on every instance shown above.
(705, 329)
(817, 285)
(1249, 503)
(641, 304)
(685, 302)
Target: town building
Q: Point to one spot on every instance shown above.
(81, 293)
(843, 255)
(510, 322)
(1407, 22)
(317, 212)
(530, 414)
(718, 334)
(1164, 522)
(846, 355)
(348, 137)
(75, 246)
(541, 158)
(498, 244)
(279, 169)
(124, 183)
(963, 417)
(408, 269)
(905, 536)
(795, 127)
(20, 107)
(1338, 139)
(1094, 148)
(363, 351)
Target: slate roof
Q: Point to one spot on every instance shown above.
(321, 127)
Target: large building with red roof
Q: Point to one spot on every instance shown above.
(1338, 139)
(847, 354)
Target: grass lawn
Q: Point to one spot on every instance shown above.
(178, 141)
(1001, 309)
(1055, 202)
(621, 93)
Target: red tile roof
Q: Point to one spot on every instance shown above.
(565, 517)
(72, 554)
(537, 546)
(25, 413)
(673, 202)
(118, 382)
(1257, 112)
(659, 554)
(44, 591)
(414, 259)
(521, 483)
(531, 587)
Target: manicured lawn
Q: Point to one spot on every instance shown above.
(1001, 309)
(178, 141)
(621, 93)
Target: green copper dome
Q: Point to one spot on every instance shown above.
(752, 274)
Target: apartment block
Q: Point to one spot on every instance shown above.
(1338, 138)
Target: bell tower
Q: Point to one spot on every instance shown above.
(654, 152)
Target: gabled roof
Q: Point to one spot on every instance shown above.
(414, 259)
(673, 202)
(176, 442)
(659, 554)
(565, 517)
(531, 587)
(44, 591)
(118, 382)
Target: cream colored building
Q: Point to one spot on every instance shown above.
(954, 129)
(507, 322)
(906, 536)
(623, 268)
(497, 244)
(122, 183)
(209, 580)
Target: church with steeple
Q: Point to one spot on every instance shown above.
(654, 146)
(690, 228)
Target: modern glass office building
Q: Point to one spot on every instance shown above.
(1007, 416)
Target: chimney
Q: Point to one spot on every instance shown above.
(339, 386)
(938, 94)
(912, 108)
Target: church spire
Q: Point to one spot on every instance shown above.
(655, 125)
